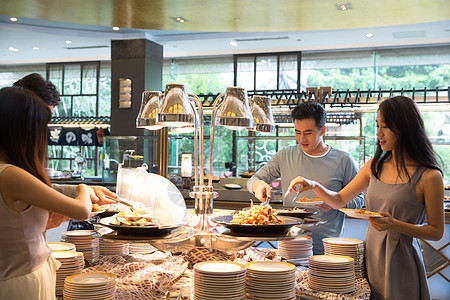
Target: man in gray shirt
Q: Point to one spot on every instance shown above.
(314, 159)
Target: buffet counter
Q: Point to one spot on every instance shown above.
(162, 275)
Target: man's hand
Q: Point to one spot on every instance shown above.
(99, 195)
(261, 190)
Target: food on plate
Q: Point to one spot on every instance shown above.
(257, 215)
(304, 199)
(248, 173)
(362, 211)
(213, 178)
(232, 186)
(290, 210)
(139, 218)
(95, 207)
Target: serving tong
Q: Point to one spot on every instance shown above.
(296, 194)
(133, 206)
(267, 200)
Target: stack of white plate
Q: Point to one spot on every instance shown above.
(71, 263)
(296, 251)
(347, 247)
(219, 280)
(331, 273)
(141, 248)
(86, 242)
(113, 248)
(90, 286)
(59, 246)
(270, 280)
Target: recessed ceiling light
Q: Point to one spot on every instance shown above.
(13, 49)
(180, 19)
(344, 6)
(115, 28)
(13, 19)
(35, 48)
(68, 42)
(233, 43)
(369, 35)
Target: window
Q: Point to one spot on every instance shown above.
(85, 92)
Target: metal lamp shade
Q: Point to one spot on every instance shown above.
(234, 111)
(187, 128)
(262, 114)
(175, 109)
(149, 108)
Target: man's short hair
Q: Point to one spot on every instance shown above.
(310, 109)
(43, 88)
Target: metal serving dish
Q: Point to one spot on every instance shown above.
(258, 230)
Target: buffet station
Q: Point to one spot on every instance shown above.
(150, 246)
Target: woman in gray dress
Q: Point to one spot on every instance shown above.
(404, 184)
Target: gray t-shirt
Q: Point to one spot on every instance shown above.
(333, 170)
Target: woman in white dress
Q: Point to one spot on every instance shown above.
(27, 270)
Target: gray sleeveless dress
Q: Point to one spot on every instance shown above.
(394, 262)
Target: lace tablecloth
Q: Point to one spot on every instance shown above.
(161, 275)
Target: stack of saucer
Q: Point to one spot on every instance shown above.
(219, 280)
(59, 246)
(141, 248)
(270, 280)
(347, 247)
(86, 242)
(71, 263)
(113, 248)
(296, 251)
(331, 273)
(90, 286)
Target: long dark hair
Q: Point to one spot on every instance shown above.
(403, 117)
(23, 130)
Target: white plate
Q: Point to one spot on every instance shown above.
(351, 213)
(270, 266)
(312, 203)
(342, 241)
(58, 246)
(219, 267)
(95, 278)
(331, 259)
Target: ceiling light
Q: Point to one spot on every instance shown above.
(13, 19)
(35, 48)
(263, 61)
(115, 28)
(369, 35)
(180, 19)
(344, 6)
(13, 49)
(233, 43)
(68, 42)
